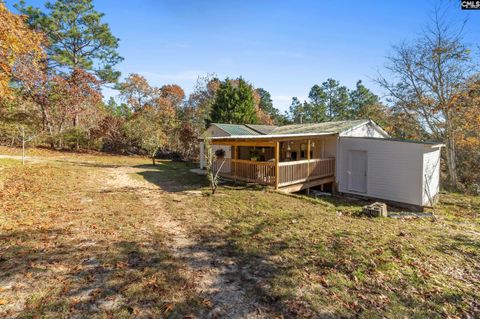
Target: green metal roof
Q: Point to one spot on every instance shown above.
(321, 128)
(262, 129)
(236, 129)
(309, 128)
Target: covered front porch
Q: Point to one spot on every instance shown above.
(287, 164)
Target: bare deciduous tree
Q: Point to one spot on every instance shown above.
(25, 136)
(212, 167)
(426, 79)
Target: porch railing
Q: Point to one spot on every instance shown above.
(247, 171)
(302, 171)
(264, 172)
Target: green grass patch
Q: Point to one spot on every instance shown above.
(70, 242)
(311, 260)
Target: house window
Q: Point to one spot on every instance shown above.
(293, 156)
(303, 151)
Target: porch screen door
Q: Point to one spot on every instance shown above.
(357, 171)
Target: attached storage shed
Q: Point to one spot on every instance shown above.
(389, 169)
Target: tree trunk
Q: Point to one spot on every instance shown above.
(23, 146)
(212, 182)
(153, 159)
(450, 152)
(451, 162)
(47, 124)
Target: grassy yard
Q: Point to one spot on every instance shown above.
(71, 244)
(312, 258)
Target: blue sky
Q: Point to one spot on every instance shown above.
(283, 46)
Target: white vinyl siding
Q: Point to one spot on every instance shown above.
(365, 130)
(431, 175)
(394, 169)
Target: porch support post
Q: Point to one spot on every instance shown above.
(308, 164)
(277, 161)
(235, 157)
(308, 150)
(202, 155)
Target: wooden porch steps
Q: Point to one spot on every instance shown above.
(298, 187)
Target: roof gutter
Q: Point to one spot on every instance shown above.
(426, 144)
(254, 137)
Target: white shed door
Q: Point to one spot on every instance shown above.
(357, 171)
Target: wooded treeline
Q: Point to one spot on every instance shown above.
(55, 62)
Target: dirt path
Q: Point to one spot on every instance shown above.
(213, 273)
(217, 277)
(32, 159)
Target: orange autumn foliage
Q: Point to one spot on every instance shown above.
(467, 135)
(262, 117)
(173, 92)
(16, 40)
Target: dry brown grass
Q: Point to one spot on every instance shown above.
(72, 245)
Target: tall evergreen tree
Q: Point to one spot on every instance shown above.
(77, 37)
(297, 111)
(337, 100)
(234, 103)
(317, 108)
(266, 104)
(117, 110)
(332, 102)
(367, 105)
(361, 99)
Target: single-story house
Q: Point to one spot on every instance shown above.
(355, 157)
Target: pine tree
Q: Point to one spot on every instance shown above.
(77, 37)
(317, 107)
(337, 100)
(297, 112)
(266, 105)
(234, 103)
